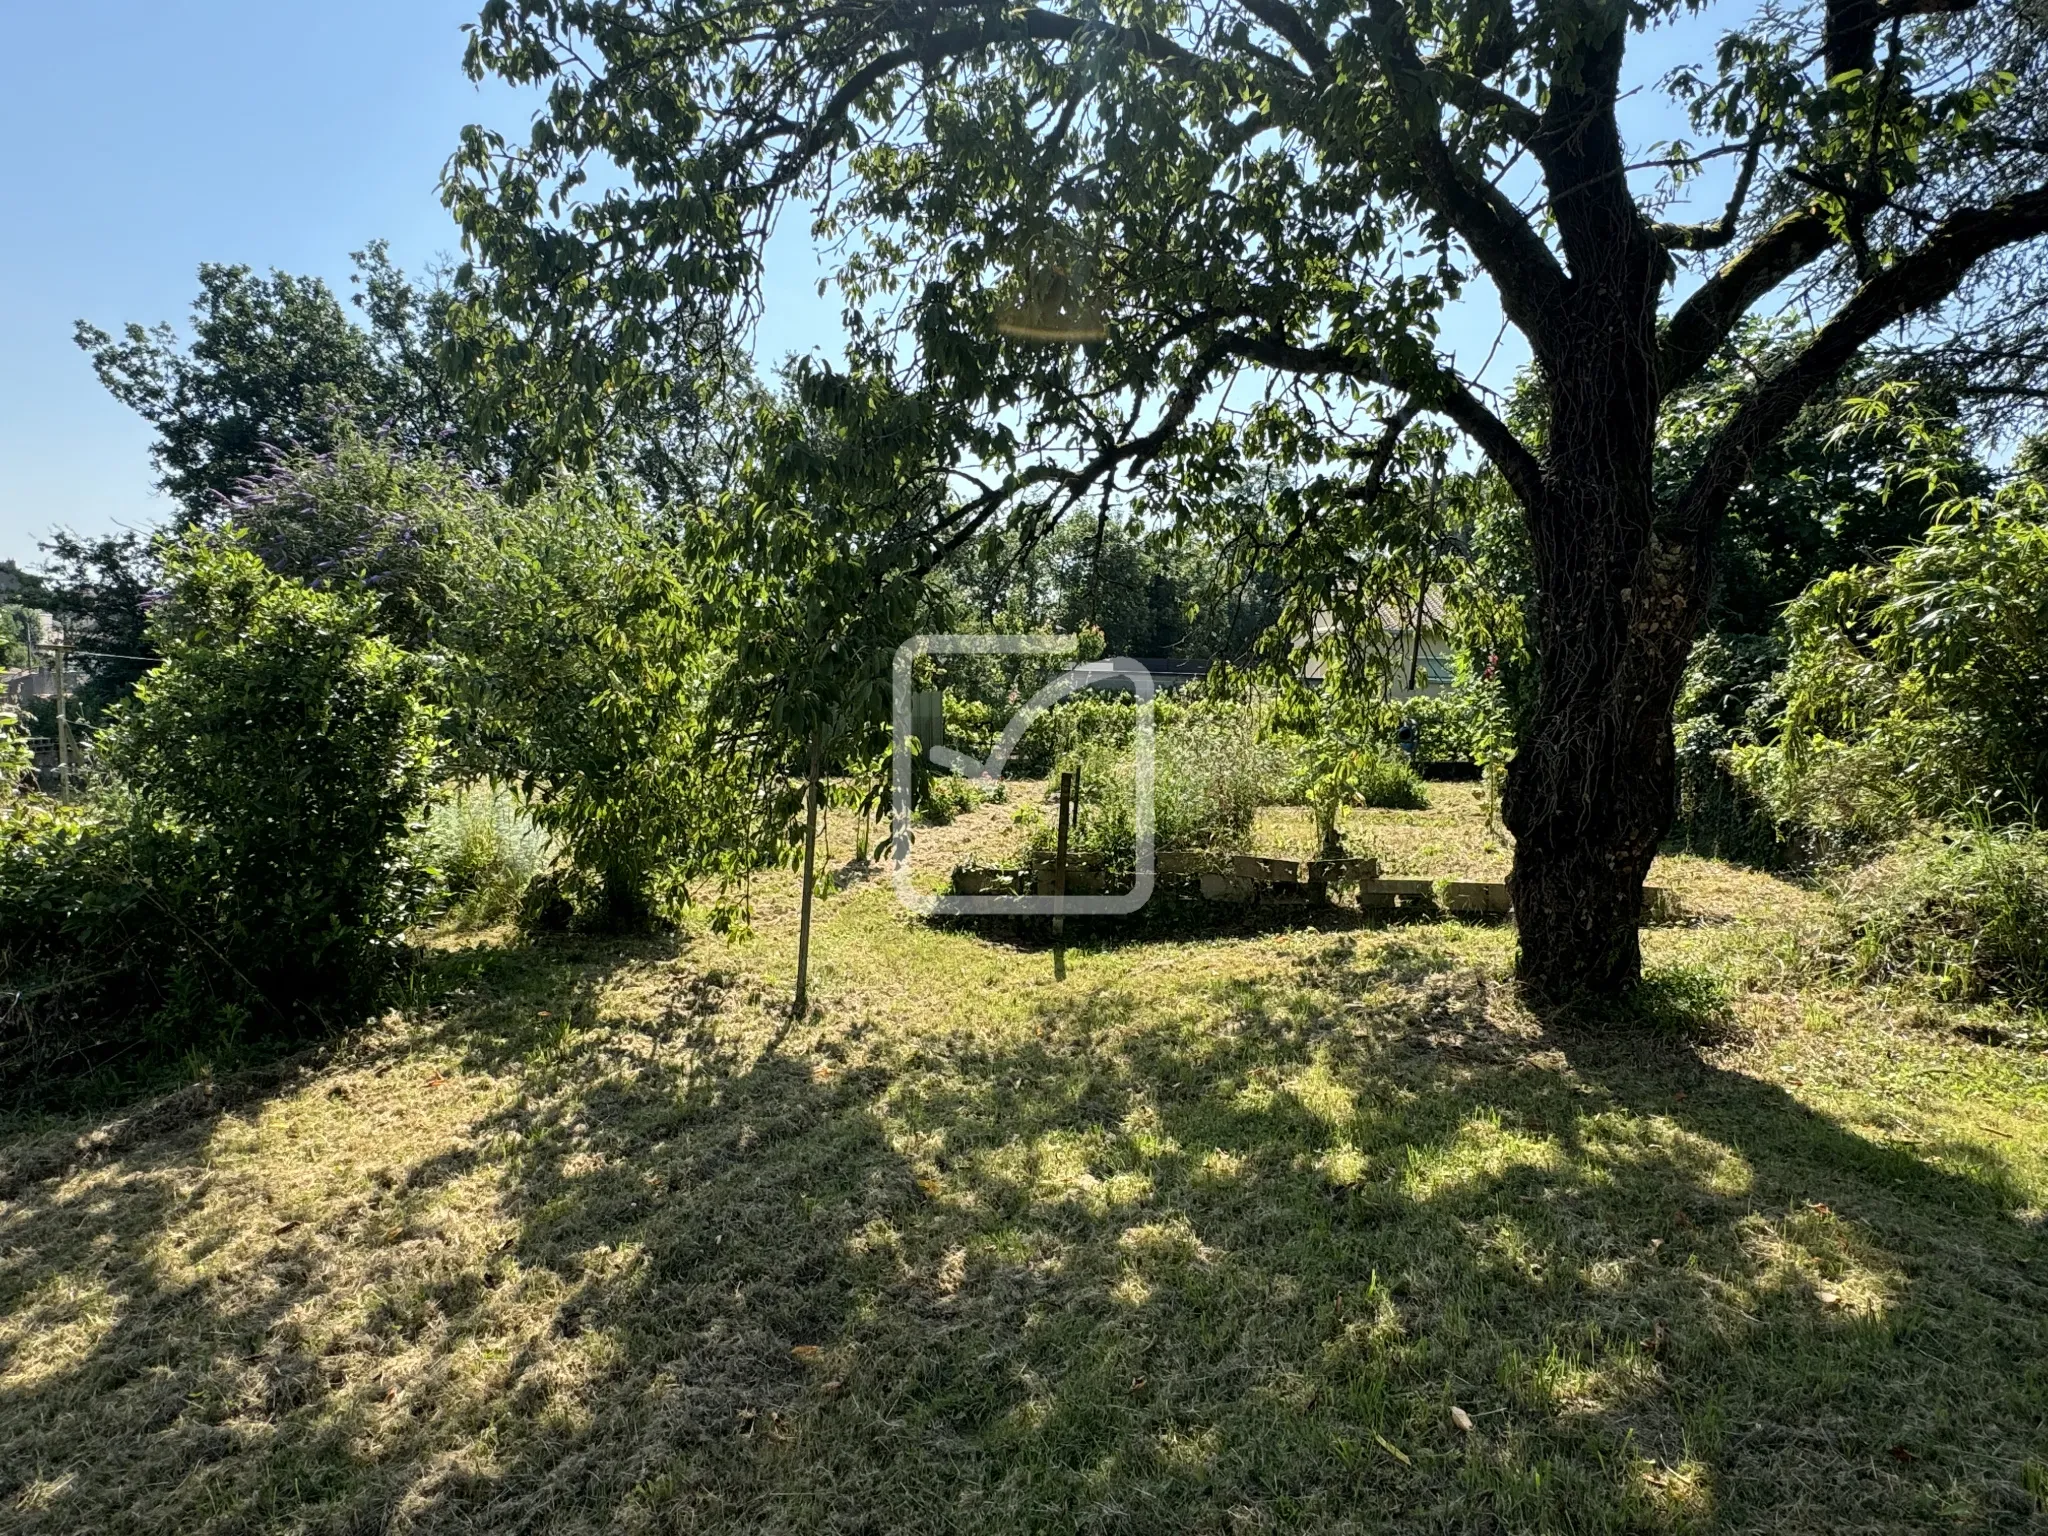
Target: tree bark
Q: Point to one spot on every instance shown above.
(1591, 794)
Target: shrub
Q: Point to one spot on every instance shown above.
(1720, 815)
(78, 977)
(1088, 720)
(575, 665)
(410, 529)
(578, 671)
(245, 871)
(1967, 911)
(1342, 774)
(289, 741)
(1469, 724)
(972, 726)
(1389, 783)
(1729, 699)
(947, 798)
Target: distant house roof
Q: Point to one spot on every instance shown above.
(1397, 622)
(37, 683)
(1168, 673)
(1398, 618)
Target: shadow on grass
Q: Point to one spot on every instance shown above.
(639, 1234)
(1219, 1258)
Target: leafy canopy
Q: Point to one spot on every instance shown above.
(1251, 216)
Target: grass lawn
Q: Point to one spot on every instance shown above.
(1231, 1230)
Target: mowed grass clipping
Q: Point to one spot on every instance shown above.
(1241, 1229)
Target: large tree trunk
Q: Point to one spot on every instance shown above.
(1590, 793)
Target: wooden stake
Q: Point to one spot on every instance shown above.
(1059, 868)
(803, 932)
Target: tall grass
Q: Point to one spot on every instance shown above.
(483, 851)
(1210, 776)
(1967, 910)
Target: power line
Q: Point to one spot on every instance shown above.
(94, 655)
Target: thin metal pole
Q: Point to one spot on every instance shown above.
(803, 932)
(1422, 597)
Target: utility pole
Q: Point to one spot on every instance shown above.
(63, 724)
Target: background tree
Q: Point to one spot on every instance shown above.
(1243, 222)
(278, 366)
(813, 568)
(1151, 591)
(273, 364)
(15, 615)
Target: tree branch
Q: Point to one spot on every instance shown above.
(1294, 27)
(1474, 97)
(1507, 452)
(1584, 167)
(1912, 284)
(1703, 321)
(1522, 267)
(1711, 237)
(1445, 394)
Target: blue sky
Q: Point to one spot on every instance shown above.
(151, 137)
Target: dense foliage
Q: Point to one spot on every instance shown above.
(578, 672)
(1861, 471)
(574, 656)
(15, 761)
(243, 874)
(408, 529)
(1913, 687)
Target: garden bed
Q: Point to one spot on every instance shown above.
(1248, 880)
